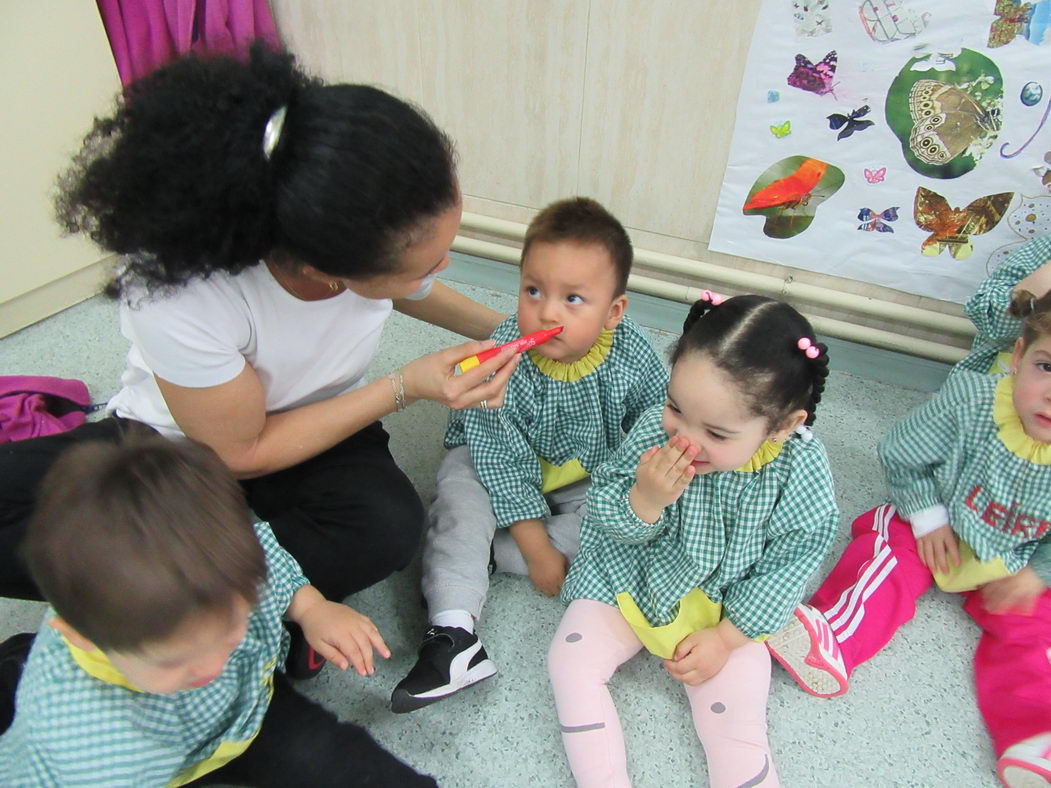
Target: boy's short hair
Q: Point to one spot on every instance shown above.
(129, 539)
(584, 221)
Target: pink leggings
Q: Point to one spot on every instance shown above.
(729, 710)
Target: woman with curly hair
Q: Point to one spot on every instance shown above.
(268, 224)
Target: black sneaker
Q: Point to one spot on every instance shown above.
(302, 661)
(13, 654)
(450, 659)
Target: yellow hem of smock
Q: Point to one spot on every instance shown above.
(582, 367)
(1011, 432)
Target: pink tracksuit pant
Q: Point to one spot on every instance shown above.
(873, 591)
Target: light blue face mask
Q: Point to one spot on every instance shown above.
(424, 289)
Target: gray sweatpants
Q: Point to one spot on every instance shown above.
(461, 527)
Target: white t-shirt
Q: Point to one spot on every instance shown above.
(204, 333)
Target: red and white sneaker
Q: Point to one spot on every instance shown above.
(1026, 764)
(808, 650)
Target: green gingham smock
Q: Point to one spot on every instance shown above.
(73, 729)
(559, 420)
(987, 308)
(948, 462)
(749, 539)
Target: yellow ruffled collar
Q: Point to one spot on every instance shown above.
(582, 367)
(764, 454)
(1011, 432)
(96, 664)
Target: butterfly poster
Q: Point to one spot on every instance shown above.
(901, 147)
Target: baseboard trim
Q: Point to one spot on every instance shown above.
(49, 299)
(899, 369)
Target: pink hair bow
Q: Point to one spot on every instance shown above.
(714, 298)
(808, 348)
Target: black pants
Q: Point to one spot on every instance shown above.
(350, 516)
(302, 743)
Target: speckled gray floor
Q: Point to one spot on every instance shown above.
(909, 719)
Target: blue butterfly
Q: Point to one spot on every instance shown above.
(870, 220)
(849, 123)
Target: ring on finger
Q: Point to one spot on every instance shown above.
(483, 405)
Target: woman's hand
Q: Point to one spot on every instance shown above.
(1015, 594)
(433, 377)
(937, 548)
(662, 476)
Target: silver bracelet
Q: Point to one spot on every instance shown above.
(397, 383)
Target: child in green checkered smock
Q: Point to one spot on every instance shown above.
(700, 536)
(159, 661)
(511, 489)
(969, 481)
(1027, 269)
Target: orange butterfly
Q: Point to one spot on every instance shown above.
(792, 190)
(952, 228)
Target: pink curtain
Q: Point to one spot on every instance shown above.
(145, 34)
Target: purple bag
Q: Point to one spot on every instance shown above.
(32, 407)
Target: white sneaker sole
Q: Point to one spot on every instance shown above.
(793, 646)
(479, 672)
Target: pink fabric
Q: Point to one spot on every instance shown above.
(1012, 671)
(729, 710)
(873, 591)
(145, 34)
(31, 407)
(874, 586)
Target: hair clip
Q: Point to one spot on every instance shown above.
(272, 132)
(810, 350)
(805, 433)
(713, 298)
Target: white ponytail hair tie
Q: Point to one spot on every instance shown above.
(272, 132)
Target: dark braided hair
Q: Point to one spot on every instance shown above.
(176, 179)
(1035, 314)
(754, 340)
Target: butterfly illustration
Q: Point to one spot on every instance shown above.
(790, 191)
(870, 220)
(946, 121)
(849, 123)
(890, 20)
(875, 176)
(1031, 219)
(1012, 18)
(814, 78)
(1043, 171)
(812, 18)
(952, 228)
(783, 130)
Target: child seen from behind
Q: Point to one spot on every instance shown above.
(700, 536)
(156, 663)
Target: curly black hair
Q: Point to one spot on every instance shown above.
(754, 340)
(176, 179)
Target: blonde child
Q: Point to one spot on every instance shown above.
(159, 660)
(511, 489)
(703, 530)
(969, 476)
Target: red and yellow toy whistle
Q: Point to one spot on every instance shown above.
(520, 344)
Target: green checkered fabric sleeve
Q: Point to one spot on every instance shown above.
(749, 540)
(73, 729)
(987, 308)
(557, 420)
(949, 453)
